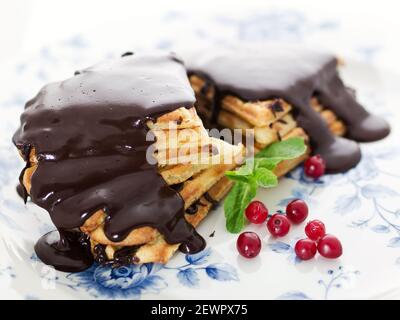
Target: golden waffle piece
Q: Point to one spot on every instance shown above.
(270, 119)
(196, 178)
(202, 184)
(214, 151)
(159, 250)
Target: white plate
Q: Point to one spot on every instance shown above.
(360, 207)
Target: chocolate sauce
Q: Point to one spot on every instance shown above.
(67, 251)
(177, 187)
(193, 208)
(21, 191)
(214, 203)
(195, 244)
(99, 253)
(125, 256)
(295, 74)
(89, 135)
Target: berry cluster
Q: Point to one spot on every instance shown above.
(327, 245)
(249, 244)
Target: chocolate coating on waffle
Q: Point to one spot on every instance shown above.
(295, 74)
(89, 134)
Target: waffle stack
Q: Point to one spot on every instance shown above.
(108, 188)
(270, 120)
(190, 162)
(194, 164)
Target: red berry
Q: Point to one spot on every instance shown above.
(330, 247)
(314, 166)
(297, 211)
(256, 212)
(278, 225)
(248, 244)
(305, 249)
(315, 230)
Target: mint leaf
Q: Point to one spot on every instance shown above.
(233, 175)
(257, 172)
(286, 149)
(244, 173)
(267, 163)
(265, 178)
(244, 170)
(235, 204)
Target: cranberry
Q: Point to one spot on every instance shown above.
(256, 212)
(330, 247)
(315, 230)
(297, 211)
(278, 225)
(248, 244)
(314, 166)
(305, 249)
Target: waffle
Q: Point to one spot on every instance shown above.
(200, 183)
(158, 250)
(270, 119)
(194, 163)
(95, 153)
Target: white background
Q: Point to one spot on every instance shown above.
(27, 25)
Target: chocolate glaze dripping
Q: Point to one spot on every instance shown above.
(66, 250)
(294, 74)
(196, 243)
(194, 207)
(214, 203)
(125, 256)
(89, 135)
(99, 253)
(21, 191)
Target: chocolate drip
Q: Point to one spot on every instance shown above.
(195, 243)
(89, 134)
(125, 256)
(295, 74)
(67, 251)
(21, 191)
(193, 208)
(99, 252)
(25, 152)
(214, 203)
(276, 107)
(177, 187)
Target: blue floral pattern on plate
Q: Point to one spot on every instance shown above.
(335, 279)
(133, 281)
(123, 282)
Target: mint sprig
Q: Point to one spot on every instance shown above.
(257, 172)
